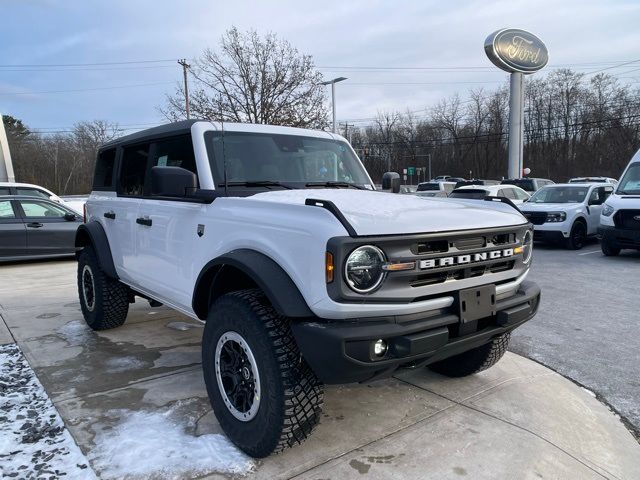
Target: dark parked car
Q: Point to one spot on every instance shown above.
(36, 228)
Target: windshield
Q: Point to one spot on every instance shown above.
(291, 159)
(427, 187)
(630, 182)
(559, 195)
(472, 193)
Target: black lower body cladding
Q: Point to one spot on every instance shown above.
(343, 351)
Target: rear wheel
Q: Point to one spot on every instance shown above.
(104, 301)
(475, 360)
(577, 236)
(263, 393)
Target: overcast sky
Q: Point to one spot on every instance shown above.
(587, 35)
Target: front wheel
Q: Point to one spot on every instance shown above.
(608, 249)
(475, 360)
(263, 393)
(577, 236)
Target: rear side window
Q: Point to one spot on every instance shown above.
(35, 209)
(103, 178)
(6, 210)
(175, 152)
(31, 192)
(5, 191)
(510, 193)
(134, 169)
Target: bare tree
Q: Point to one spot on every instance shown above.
(253, 79)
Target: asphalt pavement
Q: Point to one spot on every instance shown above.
(588, 326)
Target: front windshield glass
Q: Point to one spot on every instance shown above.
(290, 159)
(559, 195)
(630, 183)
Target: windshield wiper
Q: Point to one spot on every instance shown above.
(334, 184)
(257, 183)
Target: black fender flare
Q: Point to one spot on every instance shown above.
(93, 234)
(276, 284)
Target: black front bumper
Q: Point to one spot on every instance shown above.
(341, 351)
(619, 237)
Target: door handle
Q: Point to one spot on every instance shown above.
(35, 225)
(144, 221)
(111, 215)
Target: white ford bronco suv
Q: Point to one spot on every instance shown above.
(304, 274)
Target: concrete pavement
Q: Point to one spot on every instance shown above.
(516, 420)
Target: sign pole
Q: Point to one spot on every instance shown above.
(6, 167)
(516, 116)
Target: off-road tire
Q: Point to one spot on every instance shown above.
(291, 395)
(608, 249)
(577, 236)
(475, 360)
(110, 303)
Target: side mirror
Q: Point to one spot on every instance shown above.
(172, 181)
(70, 217)
(391, 181)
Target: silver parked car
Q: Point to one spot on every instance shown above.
(33, 228)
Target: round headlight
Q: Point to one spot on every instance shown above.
(527, 246)
(363, 269)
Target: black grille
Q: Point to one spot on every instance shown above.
(461, 272)
(537, 218)
(627, 219)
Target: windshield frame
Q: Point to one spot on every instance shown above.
(558, 187)
(623, 180)
(356, 167)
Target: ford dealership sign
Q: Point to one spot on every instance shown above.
(516, 50)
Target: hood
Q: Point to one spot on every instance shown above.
(549, 207)
(382, 213)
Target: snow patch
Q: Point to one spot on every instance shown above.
(34, 443)
(147, 444)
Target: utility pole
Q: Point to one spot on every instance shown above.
(333, 99)
(348, 133)
(185, 66)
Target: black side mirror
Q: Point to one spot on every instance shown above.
(172, 182)
(70, 217)
(391, 181)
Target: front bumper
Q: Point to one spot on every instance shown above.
(619, 237)
(340, 351)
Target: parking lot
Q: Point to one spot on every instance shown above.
(587, 327)
(134, 401)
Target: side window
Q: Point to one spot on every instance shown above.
(134, 169)
(5, 191)
(510, 193)
(448, 188)
(103, 178)
(175, 152)
(607, 191)
(31, 192)
(6, 210)
(501, 192)
(35, 209)
(520, 194)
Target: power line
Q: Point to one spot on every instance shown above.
(88, 89)
(131, 62)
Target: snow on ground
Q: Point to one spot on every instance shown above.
(151, 444)
(34, 443)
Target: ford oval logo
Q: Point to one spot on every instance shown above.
(516, 50)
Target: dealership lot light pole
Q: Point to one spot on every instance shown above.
(333, 99)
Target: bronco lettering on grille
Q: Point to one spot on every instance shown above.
(464, 259)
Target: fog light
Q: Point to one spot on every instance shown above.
(380, 348)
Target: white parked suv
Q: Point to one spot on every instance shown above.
(517, 195)
(620, 218)
(303, 273)
(568, 212)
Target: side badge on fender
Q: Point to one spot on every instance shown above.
(200, 229)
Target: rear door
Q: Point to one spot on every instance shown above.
(48, 231)
(13, 233)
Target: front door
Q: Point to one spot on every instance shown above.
(48, 231)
